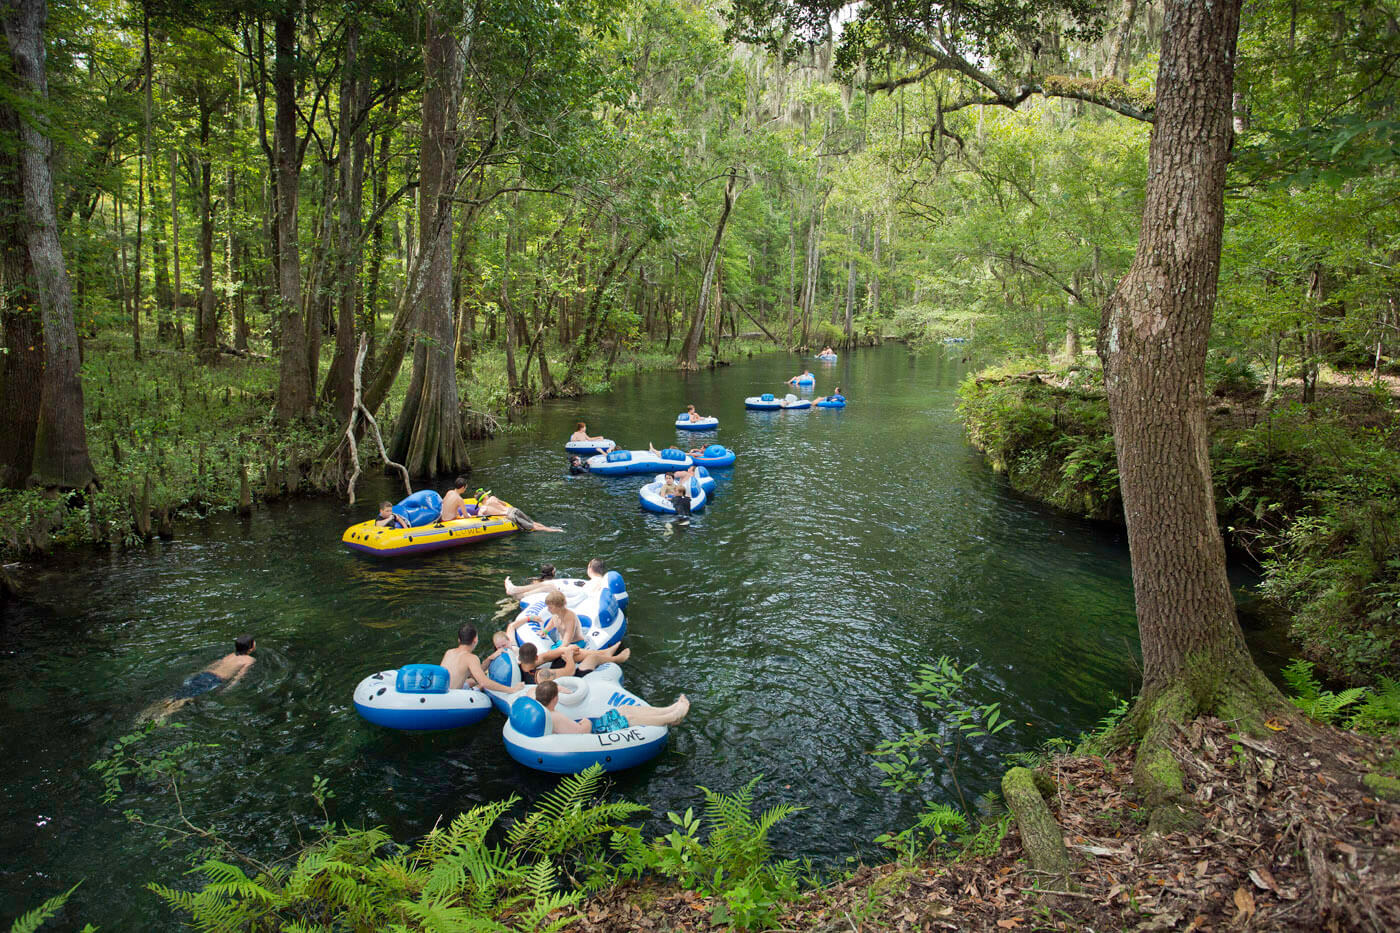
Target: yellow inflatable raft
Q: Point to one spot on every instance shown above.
(369, 538)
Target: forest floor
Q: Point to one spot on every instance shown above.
(1289, 838)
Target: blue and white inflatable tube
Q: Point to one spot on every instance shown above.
(765, 402)
(589, 448)
(576, 591)
(702, 475)
(826, 357)
(626, 462)
(800, 381)
(601, 620)
(833, 401)
(683, 423)
(416, 698)
(653, 501)
(716, 456)
(531, 740)
(793, 403)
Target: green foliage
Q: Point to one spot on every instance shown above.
(733, 863)
(958, 723)
(454, 879)
(1308, 695)
(1379, 713)
(1229, 374)
(32, 920)
(128, 758)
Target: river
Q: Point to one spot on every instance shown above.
(845, 549)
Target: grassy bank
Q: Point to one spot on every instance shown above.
(173, 440)
(1312, 493)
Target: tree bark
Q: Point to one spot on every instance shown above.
(294, 380)
(22, 367)
(176, 296)
(1153, 343)
(340, 379)
(690, 349)
(60, 440)
(206, 336)
(428, 434)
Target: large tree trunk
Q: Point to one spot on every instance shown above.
(1153, 345)
(22, 366)
(176, 329)
(428, 435)
(60, 441)
(340, 379)
(294, 379)
(851, 285)
(690, 350)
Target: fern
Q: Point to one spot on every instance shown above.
(1322, 705)
(1380, 711)
(31, 920)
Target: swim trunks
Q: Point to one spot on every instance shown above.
(611, 721)
(522, 520)
(199, 683)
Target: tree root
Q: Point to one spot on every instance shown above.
(1040, 834)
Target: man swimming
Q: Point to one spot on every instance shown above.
(611, 721)
(224, 672)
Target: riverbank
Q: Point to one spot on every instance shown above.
(176, 441)
(1311, 493)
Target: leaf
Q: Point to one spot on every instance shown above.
(1010, 923)
(1244, 902)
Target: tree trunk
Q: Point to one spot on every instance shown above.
(206, 338)
(875, 273)
(175, 297)
(294, 380)
(340, 378)
(235, 262)
(690, 350)
(851, 285)
(380, 189)
(60, 440)
(428, 434)
(1153, 345)
(136, 275)
(22, 367)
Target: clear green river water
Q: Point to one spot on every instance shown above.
(845, 549)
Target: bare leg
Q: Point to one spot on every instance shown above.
(520, 589)
(589, 658)
(657, 715)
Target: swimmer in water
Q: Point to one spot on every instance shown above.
(224, 672)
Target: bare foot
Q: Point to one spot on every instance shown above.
(622, 655)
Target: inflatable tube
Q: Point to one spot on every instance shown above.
(531, 740)
(798, 380)
(589, 448)
(652, 500)
(683, 423)
(415, 698)
(834, 401)
(793, 403)
(379, 541)
(600, 618)
(715, 456)
(625, 462)
(707, 482)
(764, 402)
(826, 357)
(577, 591)
(505, 669)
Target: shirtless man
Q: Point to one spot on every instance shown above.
(581, 434)
(454, 504)
(388, 518)
(597, 570)
(637, 715)
(463, 664)
(224, 672)
(487, 504)
(806, 375)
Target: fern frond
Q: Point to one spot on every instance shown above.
(31, 920)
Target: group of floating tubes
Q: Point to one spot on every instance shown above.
(425, 531)
(769, 402)
(417, 698)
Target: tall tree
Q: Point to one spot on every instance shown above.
(428, 434)
(22, 369)
(294, 389)
(690, 350)
(60, 440)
